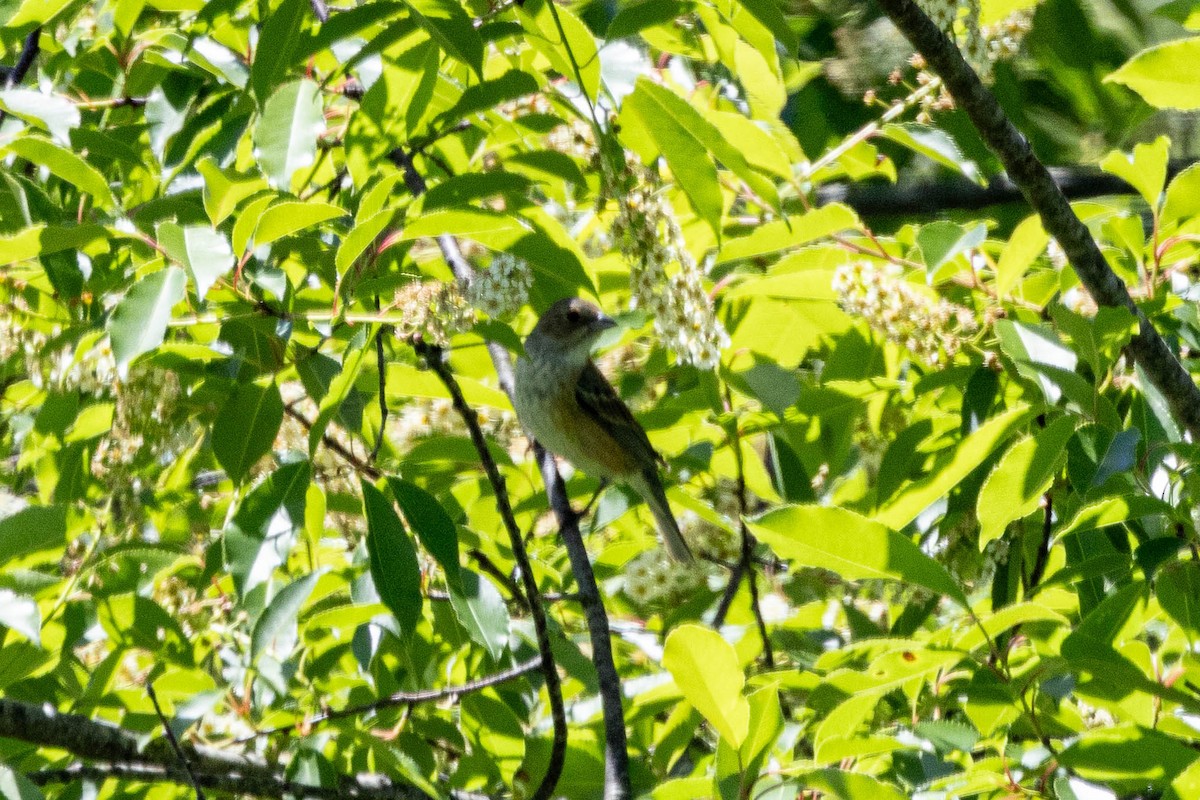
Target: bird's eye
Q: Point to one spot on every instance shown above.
(573, 315)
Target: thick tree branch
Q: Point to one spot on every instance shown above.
(931, 197)
(533, 600)
(121, 757)
(1147, 348)
(29, 51)
(616, 756)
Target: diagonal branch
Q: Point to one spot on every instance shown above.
(121, 755)
(408, 698)
(616, 756)
(1147, 348)
(435, 358)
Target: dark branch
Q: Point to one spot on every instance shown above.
(370, 470)
(29, 52)
(932, 197)
(558, 750)
(408, 698)
(1059, 220)
(616, 756)
(122, 757)
(170, 734)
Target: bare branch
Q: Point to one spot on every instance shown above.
(1058, 218)
(408, 698)
(170, 734)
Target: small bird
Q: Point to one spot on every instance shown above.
(568, 406)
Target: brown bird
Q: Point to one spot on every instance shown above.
(568, 406)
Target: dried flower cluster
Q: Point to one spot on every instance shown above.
(500, 290)
(653, 579)
(433, 311)
(929, 328)
(981, 45)
(651, 240)
(708, 540)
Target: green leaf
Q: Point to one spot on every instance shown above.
(53, 114)
(942, 241)
(285, 138)
(1177, 587)
(284, 219)
(1027, 242)
(482, 611)
(632, 19)
(934, 144)
(846, 785)
(360, 238)
(1145, 169)
(915, 496)
(765, 725)
(66, 165)
(655, 105)
(393, 559)
(279, 37)
(247, 220)
(392, 110)
(789, 233)
(245, 427)
(280, 614)
(1183, 196)
(31, 530)
(20, 613)
(15, 786)
(204, 252)
(224, 190)
(260, 535)
(432, 525)
(1127, 758)
(139, 322)
(577, 50)
(38, 12)
(1164, 75)
(487, 95)
(1030, 346)
(706, 669)
(41, 240)
(492, 228)
(862, 548)
(649, 129)
(448, 24)
(1015, 487)
(339, 389)
(1112, 511)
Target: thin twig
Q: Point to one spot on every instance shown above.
(1058, 218)
(407, 698)
(746, 563)
(381, 362)
(170, 734)
(370, 470)
(433, 356)
(320, 10)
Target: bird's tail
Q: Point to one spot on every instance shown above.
(648, 485)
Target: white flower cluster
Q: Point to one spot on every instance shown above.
(92, 371)
(650, 238)
(421, 418)
(929, 328)
(653, 579)
(981, 46)
(433, 311)
(500, 290)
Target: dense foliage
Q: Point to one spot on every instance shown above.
(947, 523)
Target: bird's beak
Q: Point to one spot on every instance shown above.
(602, 323)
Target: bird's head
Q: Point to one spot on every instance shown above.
(568, 330)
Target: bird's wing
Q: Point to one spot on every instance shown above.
(598, 399)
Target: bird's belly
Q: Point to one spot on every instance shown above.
(560, 426)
